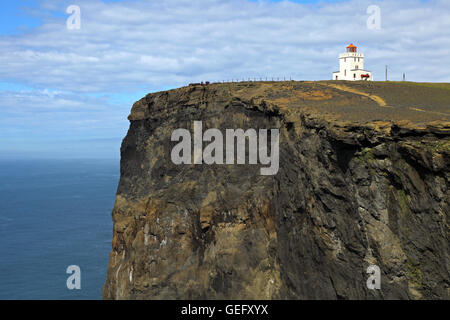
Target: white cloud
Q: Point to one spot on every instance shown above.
(124, 46)
(143, 46)
(47, 113)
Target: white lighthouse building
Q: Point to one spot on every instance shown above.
(351, 66)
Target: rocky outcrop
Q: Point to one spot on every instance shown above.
(347, 195)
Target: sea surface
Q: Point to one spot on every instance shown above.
(53, 214)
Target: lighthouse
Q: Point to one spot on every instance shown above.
(351, 66)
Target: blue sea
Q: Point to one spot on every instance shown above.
(53, 214)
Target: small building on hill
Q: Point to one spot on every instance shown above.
(351, 66)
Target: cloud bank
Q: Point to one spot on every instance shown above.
(132, 47)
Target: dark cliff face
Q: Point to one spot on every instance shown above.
(347, 195)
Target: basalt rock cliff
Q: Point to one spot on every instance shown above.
(363, 180)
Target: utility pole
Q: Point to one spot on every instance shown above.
(386, 72)
(404, 77)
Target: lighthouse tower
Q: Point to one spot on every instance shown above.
(351, 66)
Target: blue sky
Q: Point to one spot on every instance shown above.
(66, 93)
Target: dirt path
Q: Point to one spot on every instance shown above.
(434, 112)
(375, 98)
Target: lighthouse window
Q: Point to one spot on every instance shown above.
(357, 67)
(354, 76)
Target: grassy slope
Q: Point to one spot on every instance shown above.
(354, 101)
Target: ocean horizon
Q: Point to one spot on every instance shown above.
(53, 214)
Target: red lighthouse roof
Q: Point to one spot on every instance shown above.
(351, 48)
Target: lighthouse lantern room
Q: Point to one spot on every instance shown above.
(351, 66)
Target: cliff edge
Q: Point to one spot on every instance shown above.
(363, 180)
